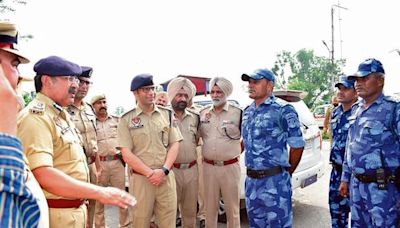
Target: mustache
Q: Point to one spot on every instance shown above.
(103, 108)
(72, 90)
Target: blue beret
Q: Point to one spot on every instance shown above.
(260, 74)
(57, 66)
(344, 81)
(141, 80)
(86, 71)
(368, 67)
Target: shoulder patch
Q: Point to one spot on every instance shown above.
(38, 108)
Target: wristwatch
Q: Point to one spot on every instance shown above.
(165, 170)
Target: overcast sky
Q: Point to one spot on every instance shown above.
(121, 39)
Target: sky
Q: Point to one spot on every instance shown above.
(121, 39)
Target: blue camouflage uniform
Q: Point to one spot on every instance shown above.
(339, 206)
(373, 143)
(266, 132)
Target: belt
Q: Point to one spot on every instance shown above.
(257, 174)
(91, 159)
(365, 178)
(338, 167)
(185, 165)
(109, 157)
(221, 163)
(63, 203)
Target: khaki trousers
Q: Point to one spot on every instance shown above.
(225, 181)
(68, 217)
(187, 191)
(201, 214)
(112, 174)
(161, 200)
(92, 203)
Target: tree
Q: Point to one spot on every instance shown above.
(8, 5)
(307, 72)
(119, 111)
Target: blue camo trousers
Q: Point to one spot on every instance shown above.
(371, 207)
(338, 206)
(269, 201)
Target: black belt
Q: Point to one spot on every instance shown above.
(338, 167)
(257, 174)
(365, 178)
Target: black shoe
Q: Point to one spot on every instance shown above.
(202, 223)
(178, 222)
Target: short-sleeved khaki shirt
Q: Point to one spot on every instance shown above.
(220, 132)
(85, 120)
(50, 139)
(107, 136)
(189, 130)
(148, 135)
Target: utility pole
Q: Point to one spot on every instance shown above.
(332, 49)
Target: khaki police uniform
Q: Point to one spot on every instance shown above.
(221, 146)
(50, 139)
(148, 137)
(185, 168)
(85, 120)
(113, 171)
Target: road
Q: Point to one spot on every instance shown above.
(310, 204)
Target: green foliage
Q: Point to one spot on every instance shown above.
(119, 111)
(307, 72)
(28, 97)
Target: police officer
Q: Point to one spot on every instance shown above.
(53, 148)
(372, 151)
(180, 91)
(84, 118)
(148, 138)
(113, 169)
(162, 98)
(24, 203)
(338, 205)
(268, 127)
(220, 132)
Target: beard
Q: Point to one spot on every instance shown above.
(181, 105)
(219, 101)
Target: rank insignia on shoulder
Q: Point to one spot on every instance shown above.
(38, 108)
(136, 122)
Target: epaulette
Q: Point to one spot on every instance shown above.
(38, 108)
(126, 113)
(193, 112)
(165, 108)
(205, 107)
(391, 99)
(235, 105)
(91, 106)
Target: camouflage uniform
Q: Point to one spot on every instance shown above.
(266, 132)
(338, 205)
(373, 143)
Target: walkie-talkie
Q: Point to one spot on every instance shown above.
(381, 179)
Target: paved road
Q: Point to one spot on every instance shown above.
(310, 205)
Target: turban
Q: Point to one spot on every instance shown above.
(181, 83)
(224, 84)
